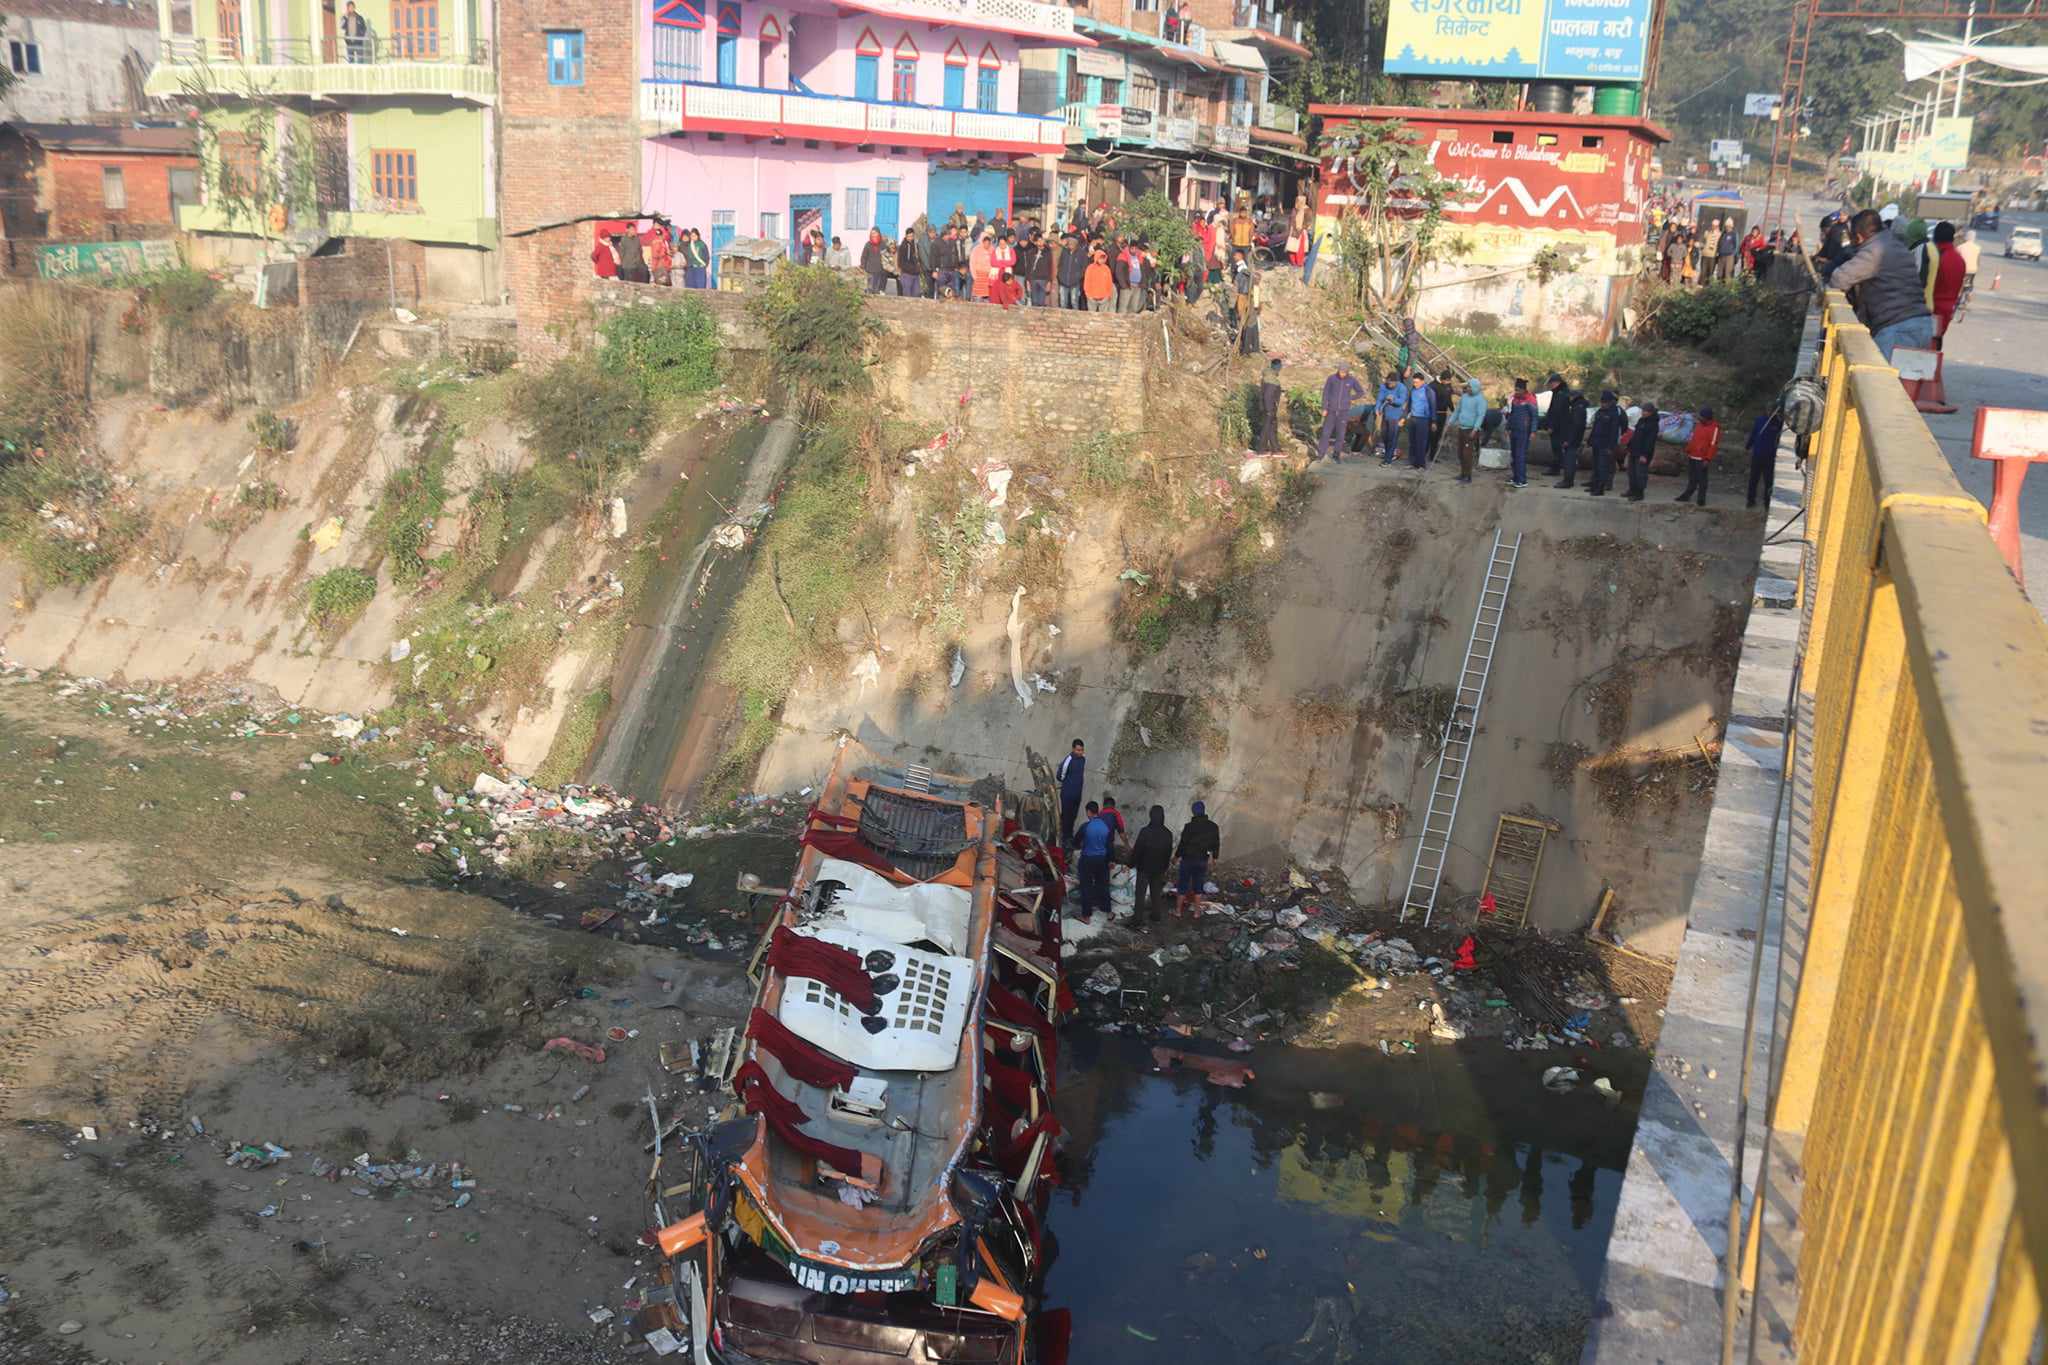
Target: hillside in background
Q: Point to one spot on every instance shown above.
(1715, 53)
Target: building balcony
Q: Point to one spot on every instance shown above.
(694, 107)
(1024, 18)
(1257, 19)
(1108, 123)
(331, 68)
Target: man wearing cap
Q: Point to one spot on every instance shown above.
(1887, 290)
(1340, 391)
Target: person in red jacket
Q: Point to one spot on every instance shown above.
(1699, 456)
(1949, 272)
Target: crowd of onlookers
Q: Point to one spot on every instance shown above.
(1714, 248)
(1097, 260)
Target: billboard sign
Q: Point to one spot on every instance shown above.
(1761, 106)
(1566, 40)
(1725, 149)
(1950, 145)
(106, 260)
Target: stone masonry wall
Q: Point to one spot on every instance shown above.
(1027, 369)
(565, 151)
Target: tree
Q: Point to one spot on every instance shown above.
(1153, 218)
(818, 333)
(7, 76)
(1393, 229)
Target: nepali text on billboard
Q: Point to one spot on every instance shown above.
(1569, 40)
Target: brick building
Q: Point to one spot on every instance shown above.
(85, 183)
(569, 149)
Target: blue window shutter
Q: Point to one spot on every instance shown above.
(985, 90)
(867, 77)
(956, 87)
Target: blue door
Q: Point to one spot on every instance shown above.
(728, 43)
(888, 207)
(721, 236)
(956, 87)
(867, 78)
(984, 192)
(807, 211)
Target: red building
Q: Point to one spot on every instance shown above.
(78, 182)
(1522, 181)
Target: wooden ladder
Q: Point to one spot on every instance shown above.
(1511, 871)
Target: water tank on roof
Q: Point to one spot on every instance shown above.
(1550, 97)
(1618, 101)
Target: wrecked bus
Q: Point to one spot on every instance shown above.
(884, 1196)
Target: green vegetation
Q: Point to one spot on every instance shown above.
(1106, 459)
(813, 564)
(954, 544)
(589, 421)
(1497, 357)
(818, 333)
(408, 506)
(177, 295)
(89, 526)
(261, 496)
(274, 435)
(578, 732)
(670, 352)
(1153, 217)
(1236, 413)
(734, 772)
(336, 598)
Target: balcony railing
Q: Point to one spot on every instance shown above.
(782, 113)
(411, 64)
(1110, 123)
(1022, 16)
(1267, 21)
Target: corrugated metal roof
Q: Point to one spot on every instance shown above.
(92, 137)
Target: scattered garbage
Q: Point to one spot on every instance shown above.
(1607, 1090)
(1104, 980)
(1560, 1078)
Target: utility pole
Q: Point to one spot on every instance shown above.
(1962, 73)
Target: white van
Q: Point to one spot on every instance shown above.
(2024, 244)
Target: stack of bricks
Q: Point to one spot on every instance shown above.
(567, 151)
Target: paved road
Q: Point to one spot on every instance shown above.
(1997, 355)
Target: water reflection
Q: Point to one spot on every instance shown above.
(1347, 1206)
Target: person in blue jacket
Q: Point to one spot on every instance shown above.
(1421, 412)
(1391, 407)
(1094, 839)
(1521, 423)
(1073, 771)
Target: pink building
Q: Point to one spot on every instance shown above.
(789, 114)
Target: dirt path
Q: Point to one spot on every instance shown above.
(283, 1000)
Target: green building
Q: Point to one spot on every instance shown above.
(323, 119)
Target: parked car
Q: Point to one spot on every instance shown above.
(2024, 244)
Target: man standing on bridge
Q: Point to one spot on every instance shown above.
(1421, 413)
(1887, 297)
(1340, 391)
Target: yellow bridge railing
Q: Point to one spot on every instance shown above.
(1914, 1083)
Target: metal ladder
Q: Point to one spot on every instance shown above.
(1434, 844)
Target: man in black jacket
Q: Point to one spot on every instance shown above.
(1610, 423)
(1039, 276)
(946, 263)
(871, 263)
(1200, 841)
(1073, 265)
(1568, 433)
(1642, 446)
(1549, 419)
(1151, 855)
(910, 266)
